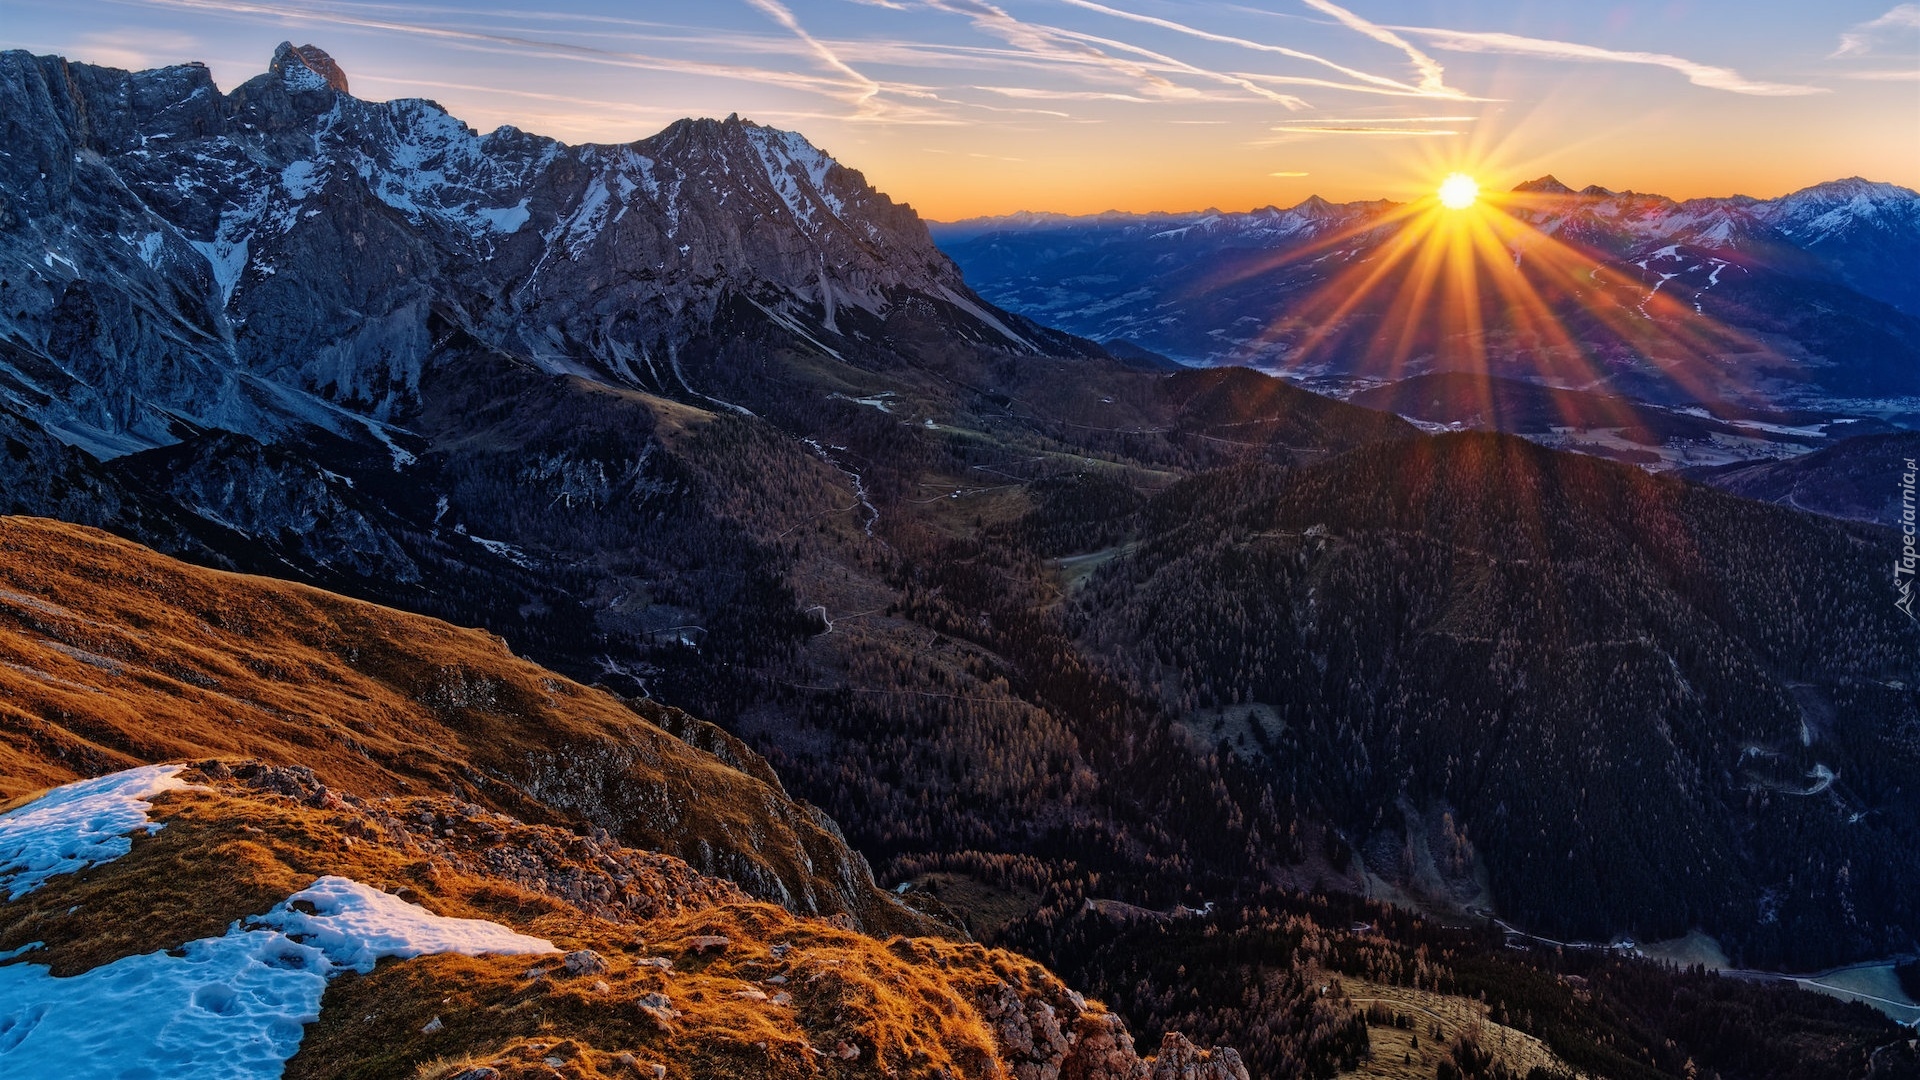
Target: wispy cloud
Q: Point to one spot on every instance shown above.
(844, 84)
(537, 47)
(1707, 75)
(1432, 76)
(1260, 46)
(136, 50)
(1385, 120)
(1360, 129)
(1860, 39)
(866, 88)
(1148, 69)
(1039, 93)
(1361, 88)
(1289, 174)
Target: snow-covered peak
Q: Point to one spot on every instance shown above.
(1824, 211)
(1714, 224)
(430, 166)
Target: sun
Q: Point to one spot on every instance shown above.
(1458, 191)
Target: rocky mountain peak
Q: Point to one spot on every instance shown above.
(301, 65)
(1313, 206)
(1546, 185)
(348, 225)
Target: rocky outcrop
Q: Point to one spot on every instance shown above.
(289, 57)
(1181, 1060)
(1051, 1033)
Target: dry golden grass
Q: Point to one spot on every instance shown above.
(112, 655)
(227, 852)
(1396, 1055)
(783, 997)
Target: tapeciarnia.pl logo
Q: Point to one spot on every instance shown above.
(1903, 569)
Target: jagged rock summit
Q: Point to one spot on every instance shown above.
(288, 256)
(290, 57)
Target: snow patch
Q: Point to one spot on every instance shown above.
(225, 1008)
(152, 246)
(797, 170)
(299, 78)
(356, 925)
(506, 219)
(79, 825)
(228, 259)
(981, 313)
(300, 179)
(505, 550)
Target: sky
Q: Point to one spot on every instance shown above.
(968, 107)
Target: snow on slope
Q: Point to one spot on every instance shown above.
(796, 169)
(79, 825)
(227, 1008)
(355, 925)
(232, 1006)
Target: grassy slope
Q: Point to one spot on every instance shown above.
(111, 655)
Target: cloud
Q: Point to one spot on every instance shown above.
(1070, 46)
(1385, 120)
(1860, 39)
(135, 50)
(1714, 78)
(1359, 129)
(780, 13)
(1432, 75)
(1362, 88)
(865, 89)
(846, 85)
(1033, 93)
(1438, 90)
(1288, 174)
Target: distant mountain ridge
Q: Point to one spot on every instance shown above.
(1262, 287)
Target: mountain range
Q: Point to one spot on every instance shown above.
(834, 563)
(1796, 311)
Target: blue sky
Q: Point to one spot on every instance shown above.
(969, 106)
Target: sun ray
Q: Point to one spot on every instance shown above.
(1465, 280)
